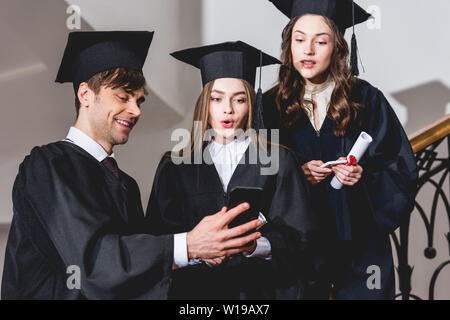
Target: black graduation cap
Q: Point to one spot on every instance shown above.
(345, 13)
(229, 60)
(88, 53)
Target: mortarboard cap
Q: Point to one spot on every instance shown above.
(344, 13)
(339, 11)
(88, 53)
(226, 60)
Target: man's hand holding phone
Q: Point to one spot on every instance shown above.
(213, 239)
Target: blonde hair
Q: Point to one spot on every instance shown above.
(201, 114)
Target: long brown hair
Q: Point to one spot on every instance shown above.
(290, 88)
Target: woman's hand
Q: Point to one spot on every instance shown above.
(216, 261)
(314, 173)
(347, 175)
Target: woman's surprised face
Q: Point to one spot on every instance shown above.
(228, 106)
(312, 47)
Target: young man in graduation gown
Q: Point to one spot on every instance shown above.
(77, 226)
(321, 108)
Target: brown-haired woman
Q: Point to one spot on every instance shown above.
(321, 108)
(189, 188)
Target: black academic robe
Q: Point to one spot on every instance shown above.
(69, 210)
(182, 195)
(359, 217)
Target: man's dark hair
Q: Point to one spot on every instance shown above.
(126, 78)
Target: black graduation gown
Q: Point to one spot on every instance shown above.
(70, 210)
(182, 195)
(361, 216)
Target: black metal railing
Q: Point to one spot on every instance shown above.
(433, 170)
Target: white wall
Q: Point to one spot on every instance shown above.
(252, 21)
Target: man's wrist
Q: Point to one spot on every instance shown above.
(180, 253)
(190, 254)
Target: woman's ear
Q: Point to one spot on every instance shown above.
(84, 94)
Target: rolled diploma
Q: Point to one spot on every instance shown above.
(359, 148)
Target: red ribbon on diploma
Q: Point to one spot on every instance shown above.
(351, 160)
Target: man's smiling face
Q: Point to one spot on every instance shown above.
(113, 114)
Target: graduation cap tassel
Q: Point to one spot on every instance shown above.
(354, 47)
(257, 114)
(258, 119)
(354, 56)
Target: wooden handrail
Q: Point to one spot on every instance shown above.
(428, 135)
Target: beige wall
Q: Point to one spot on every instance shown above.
(39, 111)
(4, 228)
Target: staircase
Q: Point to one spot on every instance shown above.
(431, 146)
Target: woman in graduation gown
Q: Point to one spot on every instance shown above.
(321, 108)
(184, 193)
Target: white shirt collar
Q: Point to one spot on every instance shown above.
(81, 139)
(227, 157)
(237, 146)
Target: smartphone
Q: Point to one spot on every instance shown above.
(251, 195)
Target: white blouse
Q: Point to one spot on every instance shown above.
(227, 156)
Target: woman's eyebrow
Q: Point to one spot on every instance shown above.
(232, 94)
(316, 35)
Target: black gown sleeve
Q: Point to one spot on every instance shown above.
(165, 214)
(292, 229)
(390, 171)
(80, 223)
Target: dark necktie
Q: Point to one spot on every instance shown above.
(111, 164)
